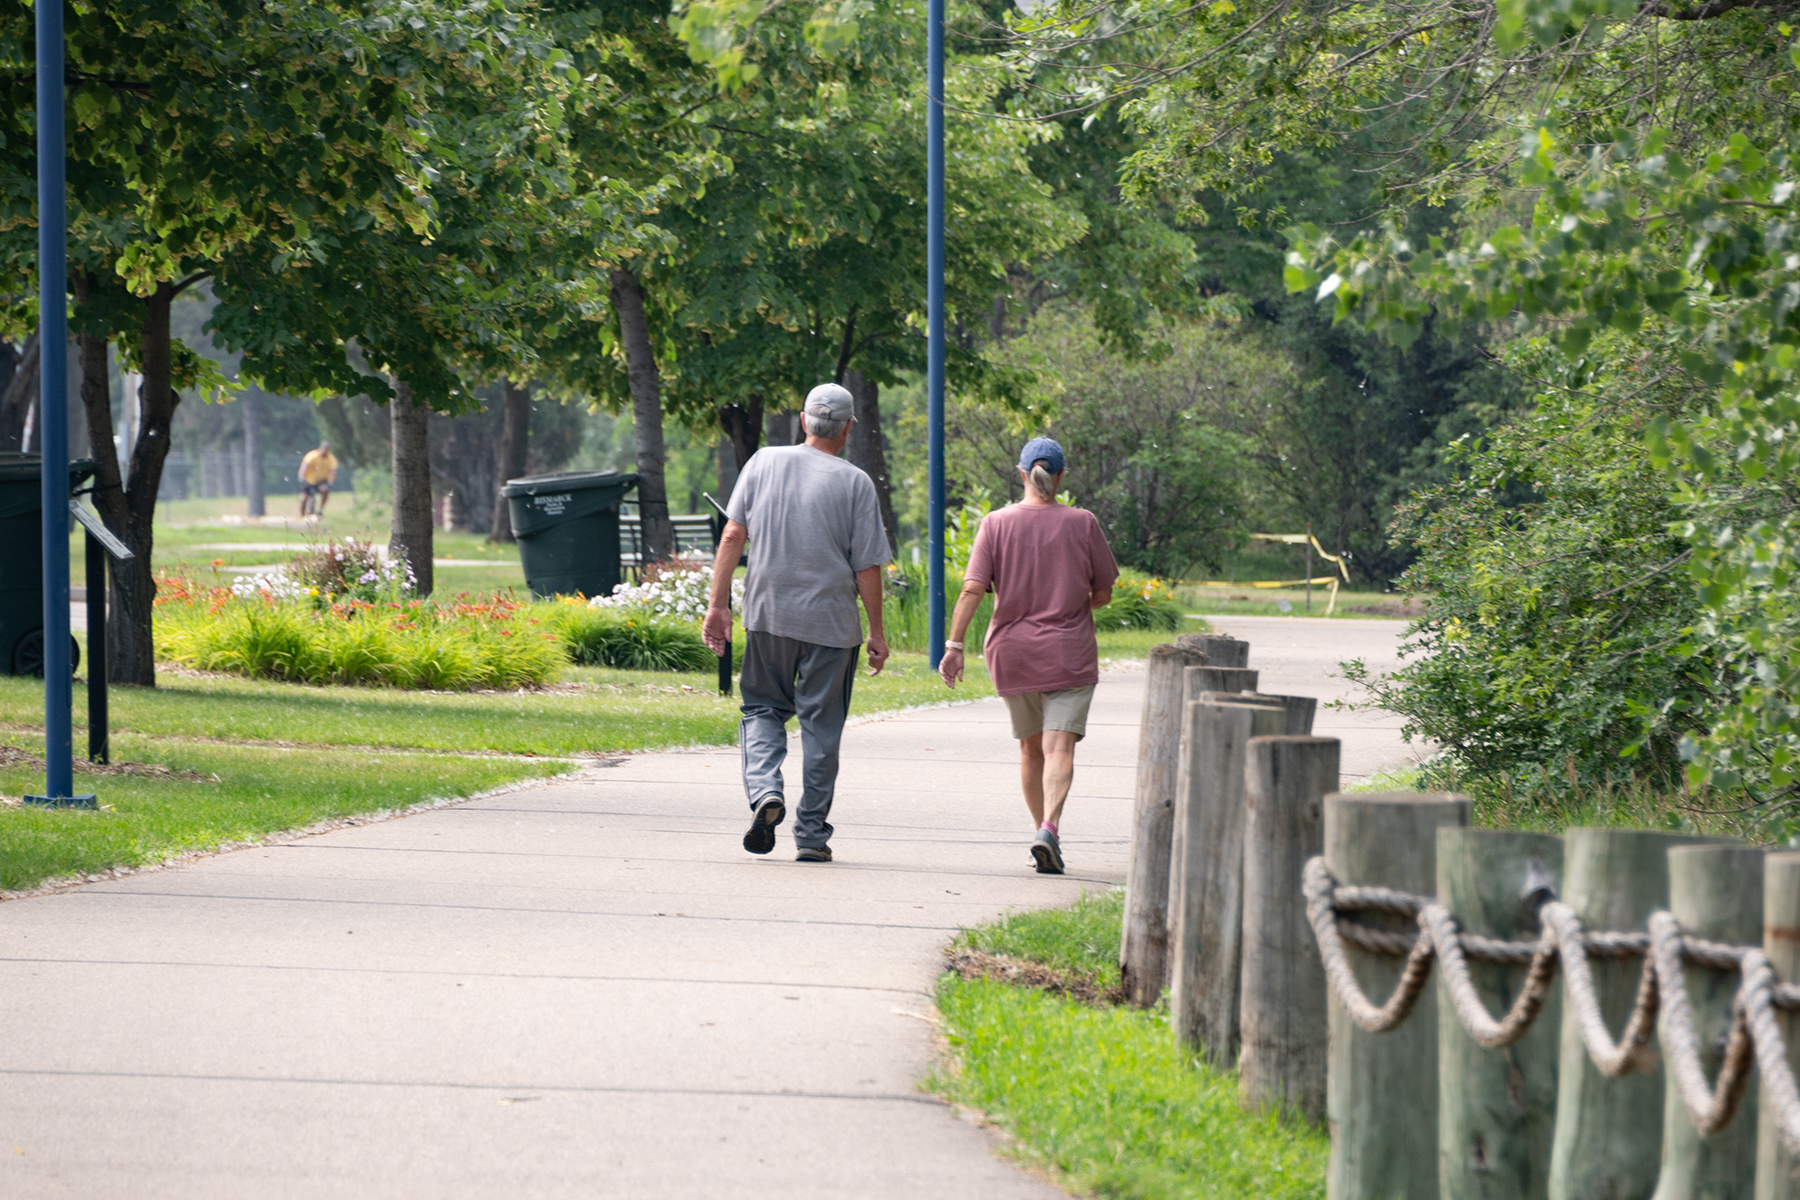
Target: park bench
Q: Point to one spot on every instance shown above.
(695, 535)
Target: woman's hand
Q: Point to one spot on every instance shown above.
(951, 667)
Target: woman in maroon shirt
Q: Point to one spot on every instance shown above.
(1049, 567)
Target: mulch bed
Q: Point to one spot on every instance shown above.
(1000, 968)
(13, 757)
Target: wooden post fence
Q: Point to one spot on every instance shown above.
(1496, 1108)
(1283, 1015)
(1206, 872)
(1144, 940)
(1220, 651)
(1385, 840)
(1609, 1131)
(1218, 679)
(1716, 893)
(1777, 1171)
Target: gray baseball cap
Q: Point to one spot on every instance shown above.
(831, 401)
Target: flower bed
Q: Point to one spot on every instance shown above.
(400, 643)
(340, 613)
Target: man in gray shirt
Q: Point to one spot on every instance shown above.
(817, 544)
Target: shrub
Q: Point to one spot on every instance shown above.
(1140, 602)
(633, 640)
(456, 646)
(346, 570)
(676, 589)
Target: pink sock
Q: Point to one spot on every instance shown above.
(1051, 826)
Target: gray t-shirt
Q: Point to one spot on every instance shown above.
(814, 523)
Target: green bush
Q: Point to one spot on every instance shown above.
(1556, 650)
(1140, 602)
(632, 640)
(455, 647)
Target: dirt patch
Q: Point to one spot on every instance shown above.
(1001, 968)
(13, 757)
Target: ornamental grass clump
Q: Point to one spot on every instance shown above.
(458, 646)
(632, 639)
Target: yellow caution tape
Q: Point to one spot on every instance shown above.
(1297, 539)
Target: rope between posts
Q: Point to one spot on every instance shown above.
(1755, 1031)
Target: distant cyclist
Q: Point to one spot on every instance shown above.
(318, 471)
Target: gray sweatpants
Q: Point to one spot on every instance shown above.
(782, 677)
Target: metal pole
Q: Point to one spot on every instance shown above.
(1309, 566)
(53, 400)
(99, 749)
(934, 252)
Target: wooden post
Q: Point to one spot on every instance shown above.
(1716, 892)
(1609, 1131)
(1777, 1171)
(1144, 942)
(1497, 1108)
(1206, 874)
(1220, 651)
(1381, 1088)
(1282, 1018)
(1300, 710)
(1218, 679)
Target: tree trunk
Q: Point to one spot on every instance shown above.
(16, 401)
(410, 541)
(647, 417)
(77, 416)
(515, 442)
(743, 425)
(868, 450)
(253, 452)
(131, 514)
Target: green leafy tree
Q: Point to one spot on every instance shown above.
(196, 131)
(1690, 254)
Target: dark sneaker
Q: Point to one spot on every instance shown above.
(1047, 852)
(813, 854)
(770, 813)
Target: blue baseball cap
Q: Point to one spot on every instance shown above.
(1042, 448)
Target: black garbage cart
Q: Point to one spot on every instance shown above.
(22, 561)
(567, 527)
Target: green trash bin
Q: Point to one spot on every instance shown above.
(567, 527)
(22, 561)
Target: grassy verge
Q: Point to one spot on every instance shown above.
(199, 797)
(1257, 602)
(1100, 1094)
(598, 710)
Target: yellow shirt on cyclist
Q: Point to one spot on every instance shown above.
(318, 466)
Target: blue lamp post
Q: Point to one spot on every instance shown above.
(53, 401)
(934, 252)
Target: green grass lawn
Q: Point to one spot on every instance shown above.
(1100, 1094)
(596, 711)
(213, 795)
(1258, 602)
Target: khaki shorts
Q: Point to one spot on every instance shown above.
(1034, 712)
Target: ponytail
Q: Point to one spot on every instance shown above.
(1042, 482)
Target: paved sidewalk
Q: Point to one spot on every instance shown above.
(576, 989)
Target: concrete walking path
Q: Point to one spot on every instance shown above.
(579, 988)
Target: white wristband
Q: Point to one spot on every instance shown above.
(949, 645)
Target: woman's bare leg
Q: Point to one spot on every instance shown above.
(1031, 776)
(1058, 756)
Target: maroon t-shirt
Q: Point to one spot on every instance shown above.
(1044, 562)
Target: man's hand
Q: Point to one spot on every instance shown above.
(716, 631)
(951, 667)
(878, 653)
